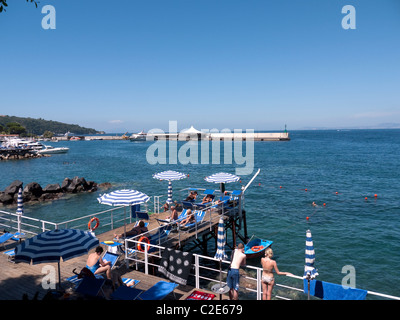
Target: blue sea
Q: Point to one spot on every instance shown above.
(340, 168)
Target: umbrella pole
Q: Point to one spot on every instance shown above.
(59, 275)
(124, 222)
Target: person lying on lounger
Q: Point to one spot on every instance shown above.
(208, 198)
(140, 228)
(189, 218)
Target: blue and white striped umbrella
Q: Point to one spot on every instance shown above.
(20, 203)
(20, 208)
(309, 270)
(220, 254)
(51, 246)
(124, 197)
(222, 177)
(170, 176)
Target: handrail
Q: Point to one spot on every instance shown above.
(197, 267)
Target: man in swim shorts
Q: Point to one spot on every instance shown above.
(232, 280)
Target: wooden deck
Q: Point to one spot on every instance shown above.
(17, 279)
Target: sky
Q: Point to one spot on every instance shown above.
(128, 65)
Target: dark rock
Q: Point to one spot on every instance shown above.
(32, 191)
(6, 198)
(65, 184)
(50, 196)
(13, 187)
(52, 188)
(105, 185)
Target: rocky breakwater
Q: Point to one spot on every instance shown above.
(33, 192)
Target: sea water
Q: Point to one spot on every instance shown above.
(342, 169)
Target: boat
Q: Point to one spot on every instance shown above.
(22, 144)
(255, 247)
(141, 136)
(52, 150)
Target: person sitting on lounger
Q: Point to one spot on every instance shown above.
(166, 206)
(174, 214)
(192, 196)
(96, 264)
(140, 228)
(189, 218)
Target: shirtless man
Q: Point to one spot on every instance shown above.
(238, 259)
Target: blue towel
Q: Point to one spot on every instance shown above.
(331, 291)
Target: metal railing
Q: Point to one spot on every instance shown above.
(202, 272)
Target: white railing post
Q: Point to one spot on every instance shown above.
(146, 262)
(259, 286)
(197, 270)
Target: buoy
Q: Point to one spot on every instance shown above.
(307, 218)
(376, 196)
(305, 189)
(337, 192)
(366, 198)
(280, 187)
(259, 184)
(324, 204)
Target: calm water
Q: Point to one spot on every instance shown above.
(339, 168)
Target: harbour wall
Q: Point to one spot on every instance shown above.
(256, 136)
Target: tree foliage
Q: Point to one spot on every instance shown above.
(4, 5)
(39, 126)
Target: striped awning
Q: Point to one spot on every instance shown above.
(309, 270)
(124, 197)
(51, 246)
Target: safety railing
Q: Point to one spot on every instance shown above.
(205, 274)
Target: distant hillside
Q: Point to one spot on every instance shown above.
(39, 126)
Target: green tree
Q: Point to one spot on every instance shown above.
(48, 134)
(15, 128)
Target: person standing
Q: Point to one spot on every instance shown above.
(268, 280)
(238, 259)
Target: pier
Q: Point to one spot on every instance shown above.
(221, 136)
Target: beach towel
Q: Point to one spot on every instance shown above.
(331, 291)
(175, 265)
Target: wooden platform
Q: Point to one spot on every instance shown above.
(17, 279)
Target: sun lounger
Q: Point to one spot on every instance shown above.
(158, 292)
(90, 286)
(209, 191)
(112, 257)
(199, 215)
(126, 293)
(187, 204)
(130, 282)
(10, 236)
(10, 255)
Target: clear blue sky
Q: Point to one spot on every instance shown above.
(127, 65)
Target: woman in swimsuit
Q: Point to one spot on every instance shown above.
(268, 280)
(96, 264)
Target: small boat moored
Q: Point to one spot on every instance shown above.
(255, 247)
(52, 150)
